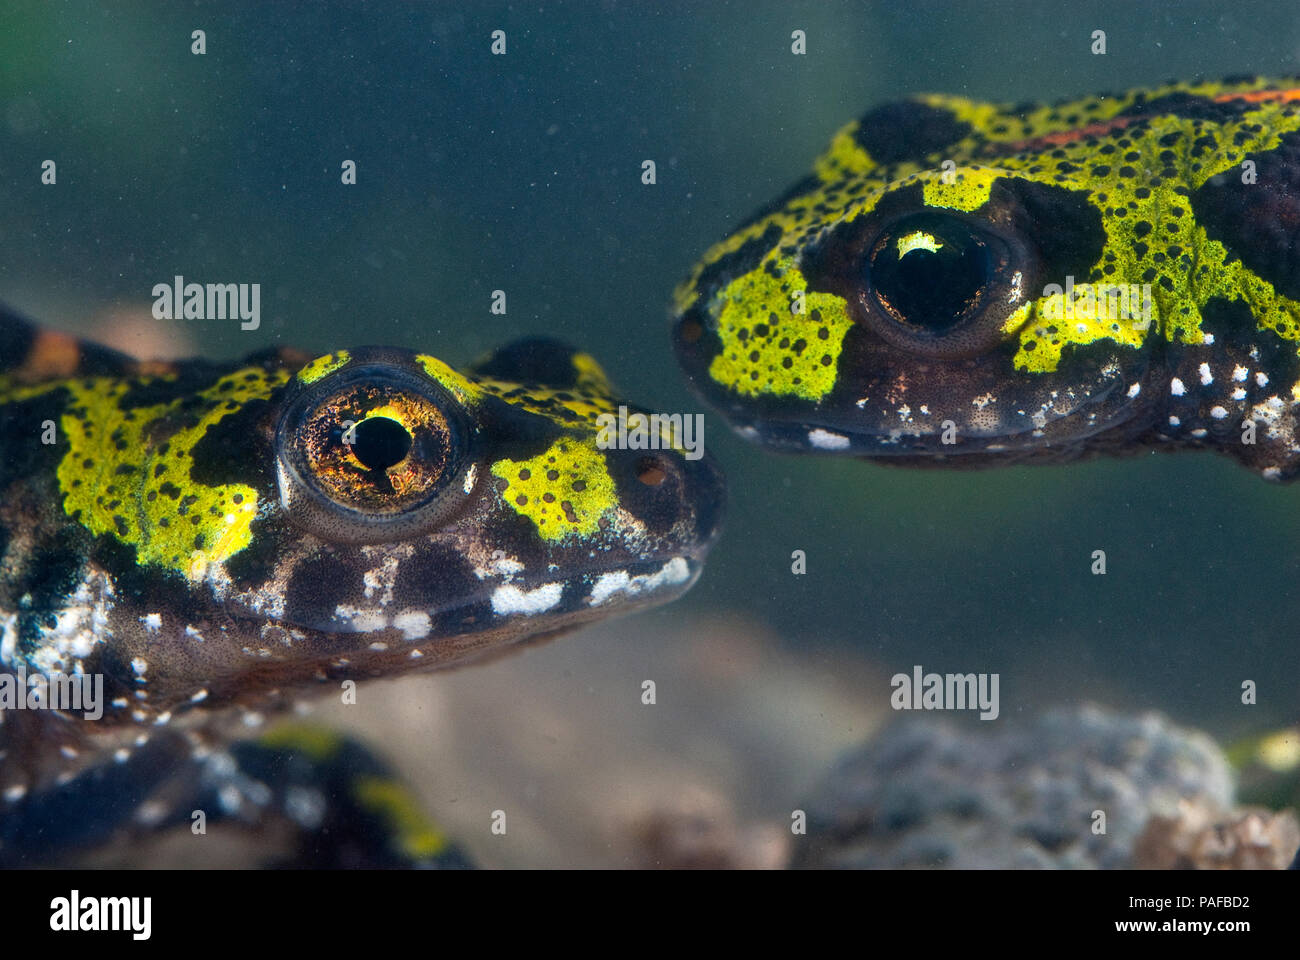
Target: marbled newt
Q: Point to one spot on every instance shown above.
(969, 283)
(222, 539)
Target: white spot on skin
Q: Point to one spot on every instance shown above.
(1209, 339)
(508, 598)
(500, 565)
(1198, 433)
(1134, 390)
(1239, 373)
(506, 566)
(380, 580)
(360, 620)
(826, 440)
(1261, 379)
(79, 626)
(16, 792)
(1239, 394)
(152, 622)
(607, 585)
(414, 624)
(1175, 422)
(1218, 413)
(1277, 426)
(749, 433)
(199, 695)
(139, 665)
(1207, 378)
(193, 634)
(1272, 473)
(470, 476)
(675, 571)
(266, 601)
(1176, 387)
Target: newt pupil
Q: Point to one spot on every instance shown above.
(380, 443)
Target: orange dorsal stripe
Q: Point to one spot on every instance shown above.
(1062, 137)
(1261, 96)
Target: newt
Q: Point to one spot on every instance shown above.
(963, 283)
(214, 541)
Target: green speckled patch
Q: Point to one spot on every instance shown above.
(965, 190)
(582, 403)
(322, 366)
(116, 480)
(460, 386)
(776, 351)
(565, 490)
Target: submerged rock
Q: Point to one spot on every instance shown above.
(1080, 788)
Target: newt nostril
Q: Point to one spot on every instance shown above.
(690, 330)
(651, 471)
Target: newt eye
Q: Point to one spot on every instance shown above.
(939, 283)
(371, 452)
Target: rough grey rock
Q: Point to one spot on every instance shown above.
(930, 792)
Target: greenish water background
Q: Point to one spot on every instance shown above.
(523, 172)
